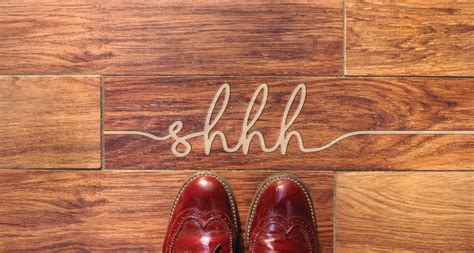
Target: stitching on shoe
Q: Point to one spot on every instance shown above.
(263, 188)
(229, 196)
(287, 225)
(208, 217)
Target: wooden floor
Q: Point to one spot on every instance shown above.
(106, 107)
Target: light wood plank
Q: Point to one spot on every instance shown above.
(171, 37)
(416, 37)
(333, 107)
(118, 211)
(405, 212)
(50, 122)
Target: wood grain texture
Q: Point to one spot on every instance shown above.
(405, 212)
(416, 37)
(50, 122)
(172, 37)
(333, 106)
(118, 211)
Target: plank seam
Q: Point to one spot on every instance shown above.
(243, 75)
(334, 207)
(102, 123)
(344, 38)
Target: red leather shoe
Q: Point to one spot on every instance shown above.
(203, 218)
(282, 218)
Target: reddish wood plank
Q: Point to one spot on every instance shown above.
(405, 212)
(333, 107)
(172, 37)
(118, 211)
(418, 37)
(50, 122)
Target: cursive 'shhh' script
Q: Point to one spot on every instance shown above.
(182, 147)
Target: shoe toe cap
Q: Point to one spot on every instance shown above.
(205, 192)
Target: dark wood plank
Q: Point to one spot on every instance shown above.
(401, 212)
(172, 37)
(118, 211)
(333, 107)
(417, 37)
(50, 122)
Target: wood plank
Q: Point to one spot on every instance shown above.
(405, 212)
(172, 37)
(416, 37)
(50, 122)
(333, 107)
(118, 211)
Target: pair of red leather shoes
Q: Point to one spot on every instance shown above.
(204, 217)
